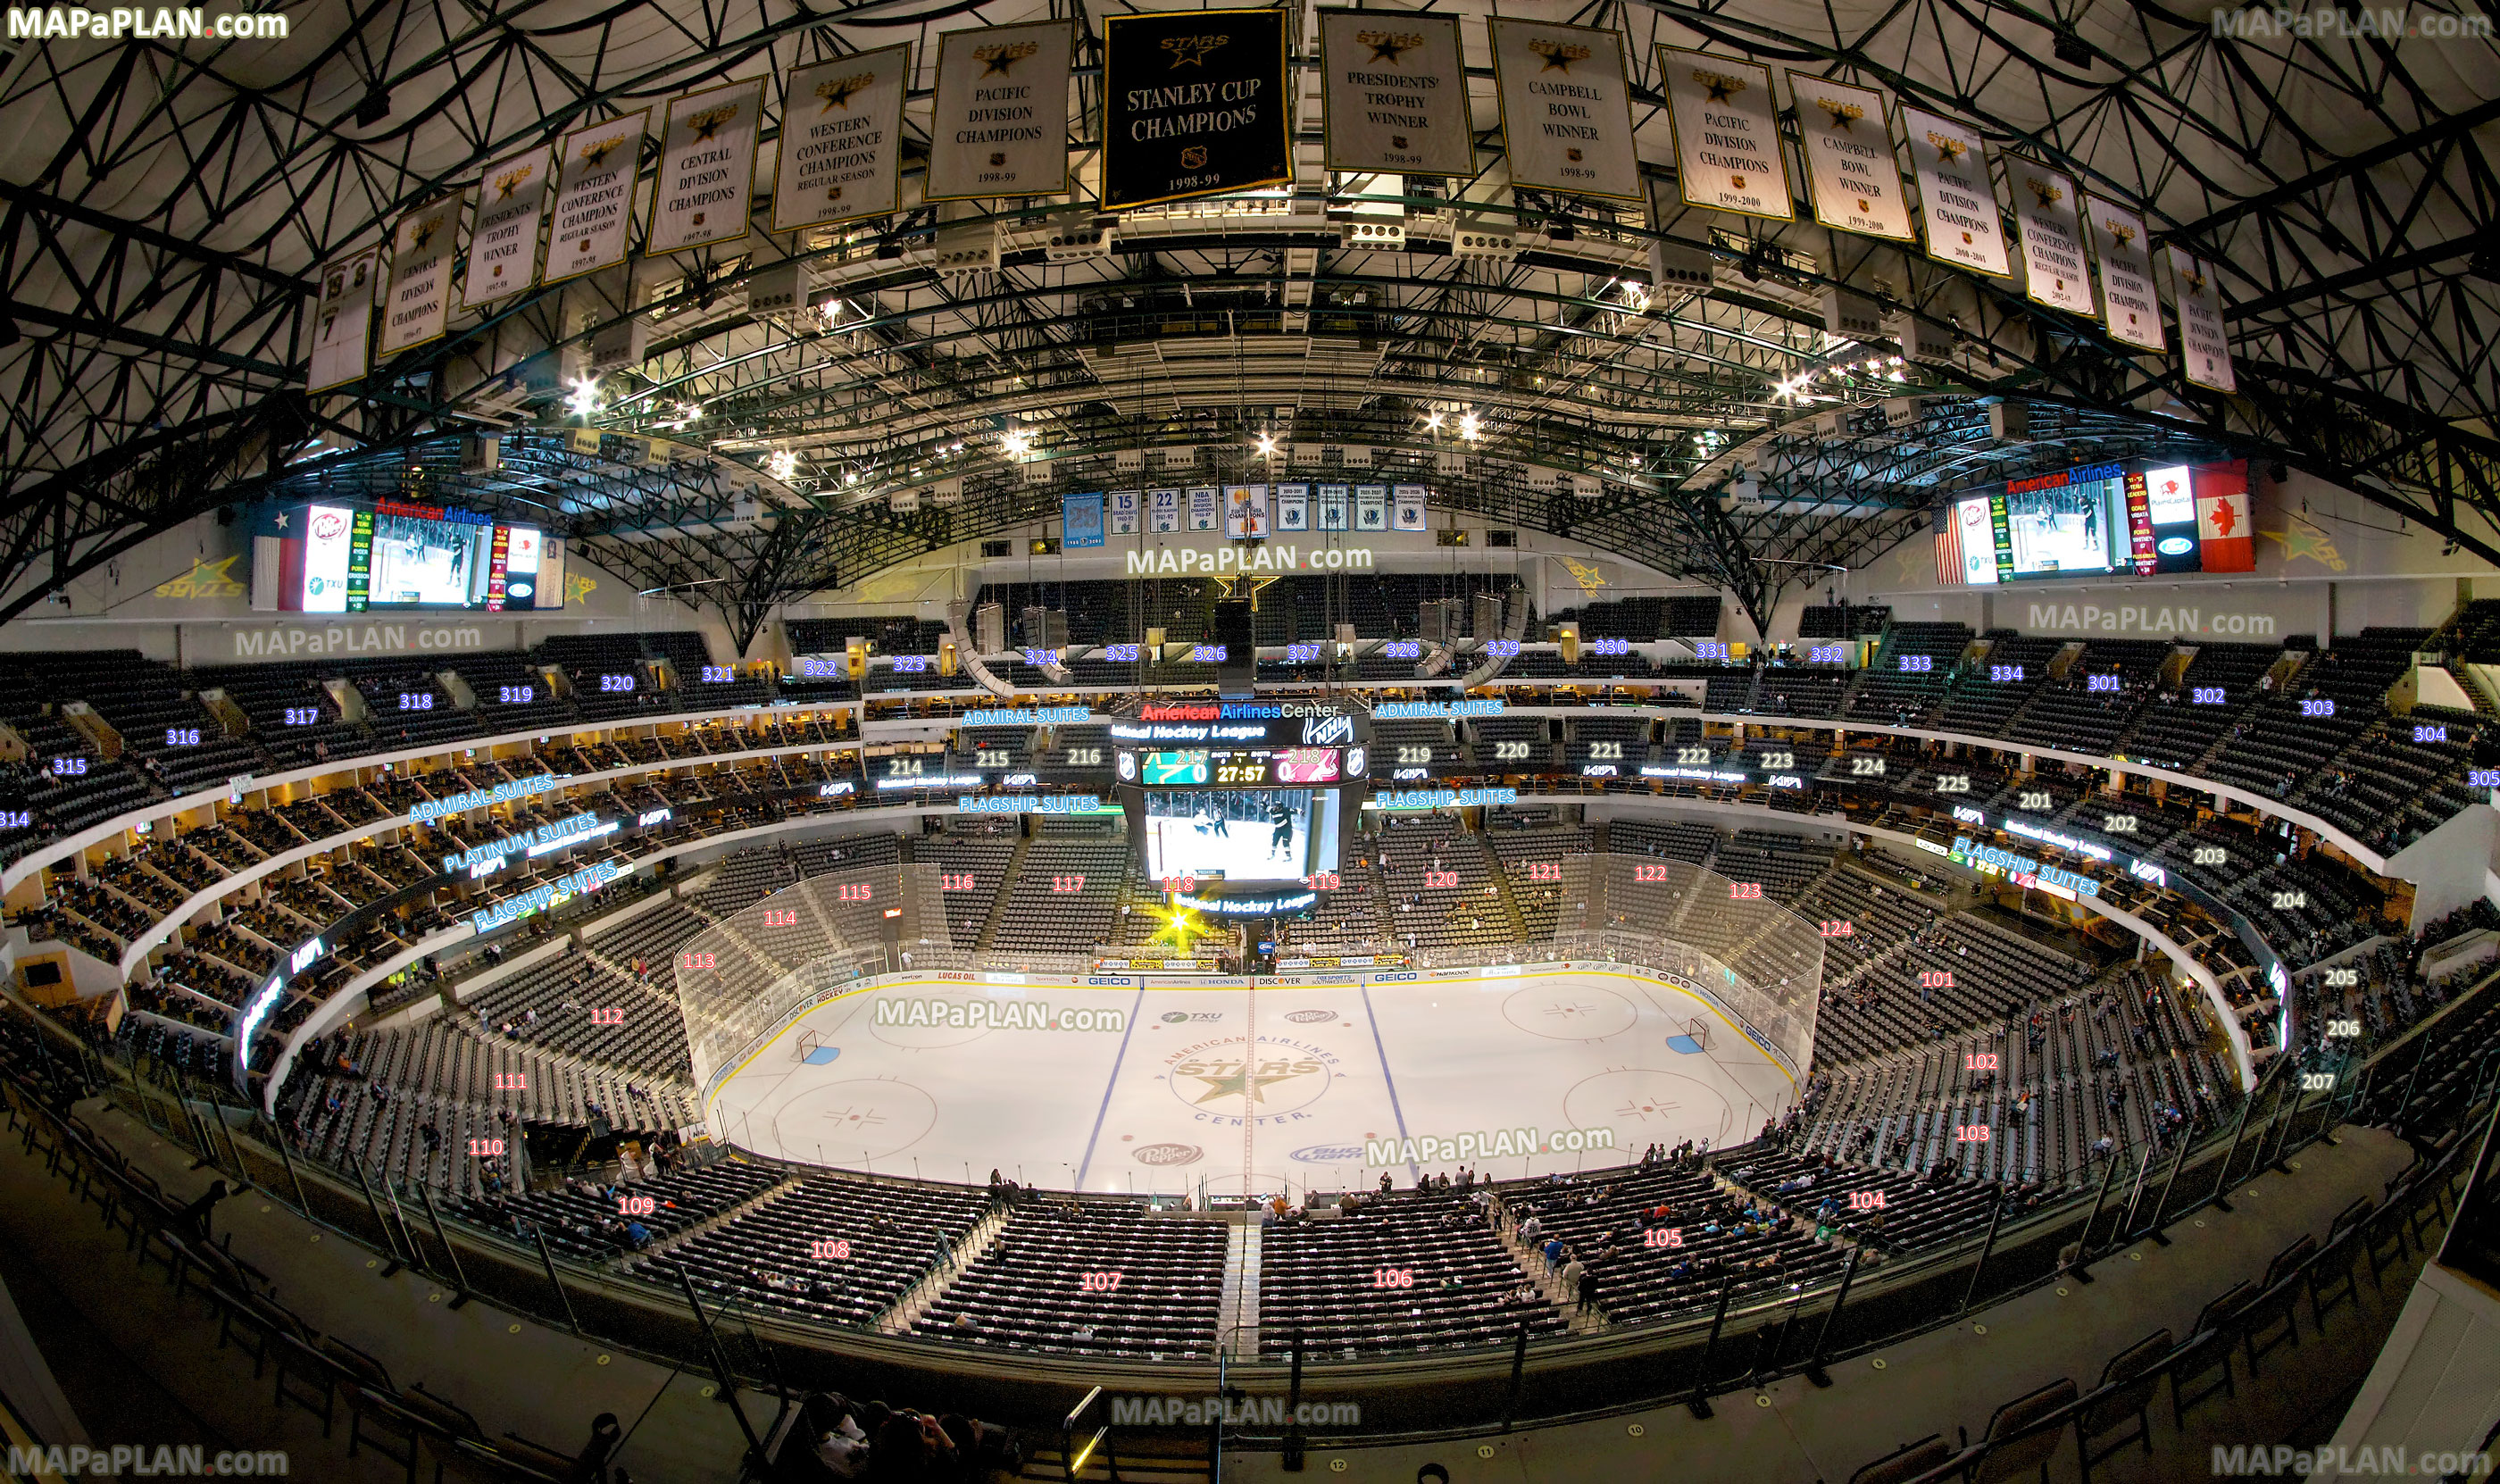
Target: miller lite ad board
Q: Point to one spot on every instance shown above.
(1193, 103)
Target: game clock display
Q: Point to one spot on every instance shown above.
(1246, 768)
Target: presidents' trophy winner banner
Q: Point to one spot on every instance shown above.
(1726, 134)
(1001, 125)
(1964, 226)
(419, 304)
(1193, 103)
(1396, 95)
(706, 181)
(842, 131)
(594, 196)
(1566, 114)
(1849, 158)
(2204, 345)
(2053, 241)
(503, 242)
(2125, 253)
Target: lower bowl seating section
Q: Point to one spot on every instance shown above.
(1917, 1210)
(1094, 1278)
(590, 1221)
(1439, 881)
(573, 1004)
(1784, 865)
(1535, 862)
(971, 869)
(1676, 840)
(1344, 921)
(826, 1249)
(1064, 898)
(1705, 1236)
(1405, 1273)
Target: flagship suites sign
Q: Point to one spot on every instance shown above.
(1193, 103)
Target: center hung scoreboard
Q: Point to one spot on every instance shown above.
(1231, 797)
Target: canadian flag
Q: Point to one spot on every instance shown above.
(2226, 524)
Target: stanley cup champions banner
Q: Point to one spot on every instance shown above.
(1396, 94)
(1195, 103)
(594, 196)
(1001, 125)
(2053, 241)
(841, 135)
(1726, 134)
(706, 181)
(418, 306)
(2125, 253)
(1849, 158)
(1963, 227)
(1567, 113)
(503, 242)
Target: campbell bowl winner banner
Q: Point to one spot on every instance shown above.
(1193, 103)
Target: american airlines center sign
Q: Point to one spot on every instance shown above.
(1265, 557)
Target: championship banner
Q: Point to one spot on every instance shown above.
(1293, 507)
(1163, 510)
(1001, 125)
(594, 196)
(419, 307)
(1195, 103)
(706, 182)
(1201, 508)
(1080, 521)
(1726, 134)
(1566, 114)
(1334, 500)
(1126, 507)
(504, 241)
(2125, 253)
(1394, 94)
(2204, 345)
(1371, 506)
(342, 322)
(1951, 164)
(1245, 511)
(2053, 238)
(842, 132)
(1849, 158)
(1410, 507)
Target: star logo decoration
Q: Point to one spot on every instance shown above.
(2196, 278)
(1844, 116)
(206, 579)
(2314, 544)
(1723, 87)
(282, 520)
(838, 92)
(423, 233)
(1192, 50)
(511, 182)
(1949, 150)
(709, 121)
(998, 58)
(595, 154)
(1245, 1084)
(2045, 192)
(1559, 54)
(1589, 577)
(2124, 234)
(1388, 45)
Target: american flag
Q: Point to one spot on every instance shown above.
(1949, 572)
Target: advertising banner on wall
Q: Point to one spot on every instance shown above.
(342, 320)
(999, 127)
(706, 180)
(2203, 344)
(504, 241)
(2053, 241)
(841, 135)
(1566, 116)
(1726, 134)
(1849, 158)
(418, 306)
(2119, 241)
(1195, 103)
(594, 196)
(1394, 94)
(1955, 193)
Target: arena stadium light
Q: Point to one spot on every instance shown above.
(1433, 422)
(1469, 426)
(781, 463)
(1018, 441)
(584, 401)
(1266, 445)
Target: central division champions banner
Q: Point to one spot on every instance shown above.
(1566, 114)
(1396, 94)
(706, 180)
(594, 196)
(1726, 134)
(419, 305)
(1001, 125)
(842, 135)
(1955, 193)
(1193, 103)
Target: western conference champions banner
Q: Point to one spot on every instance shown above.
(1245, 511)
(1395, 93)
(2203, 345)
(841, 133)
(1080, 521)
(2052, 242)
(504, 241)
(418, 306)
(1950, 162)
(1567, 113)
(1409, 507)
(1000, 123)
(1849, 163)
(1293, 507)
(2134, 306)
(1726, 134)
(1195, 103)
(1126, 507)
(594, 196)
(1201, 508)
(706, 180)
(342, 324)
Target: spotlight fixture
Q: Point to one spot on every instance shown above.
(1469, 428)
(1017, 442)
(1433, 422)
(1266, 445)
(782, 464)
(585, 399)
(2070, 49)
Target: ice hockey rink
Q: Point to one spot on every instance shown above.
(1181, 1084)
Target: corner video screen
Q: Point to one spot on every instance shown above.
(2063, 530)
(1242, 834)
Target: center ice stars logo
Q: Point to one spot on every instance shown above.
(1228, 1080)
(1571, 1013)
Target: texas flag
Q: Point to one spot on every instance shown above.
(2226, 524)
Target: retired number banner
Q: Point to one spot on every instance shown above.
(842, 132)
(503, 242)
(419, 305)
(706, 178)
(594, 196)
(1396, 94)
(1193, 103)
(1963, 225)
(2127, 291)
(1726, 134)
(1001, 124)
(1567, 113)
(342, 322)
(2053, 241)
(1849, 158)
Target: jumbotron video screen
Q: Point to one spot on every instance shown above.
(1241, 835)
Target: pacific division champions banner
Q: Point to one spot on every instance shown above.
(842, 133)
(1396, 93)
(2125, 253)
(1726, 134)
(707, 176)
(1567, 113)
(1193, 103)
(1955, 191)
(2204, 346)
(1001, 125)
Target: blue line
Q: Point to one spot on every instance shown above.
(1108, 1084)
(1413, 1169)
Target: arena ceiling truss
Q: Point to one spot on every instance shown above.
(167, 208)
